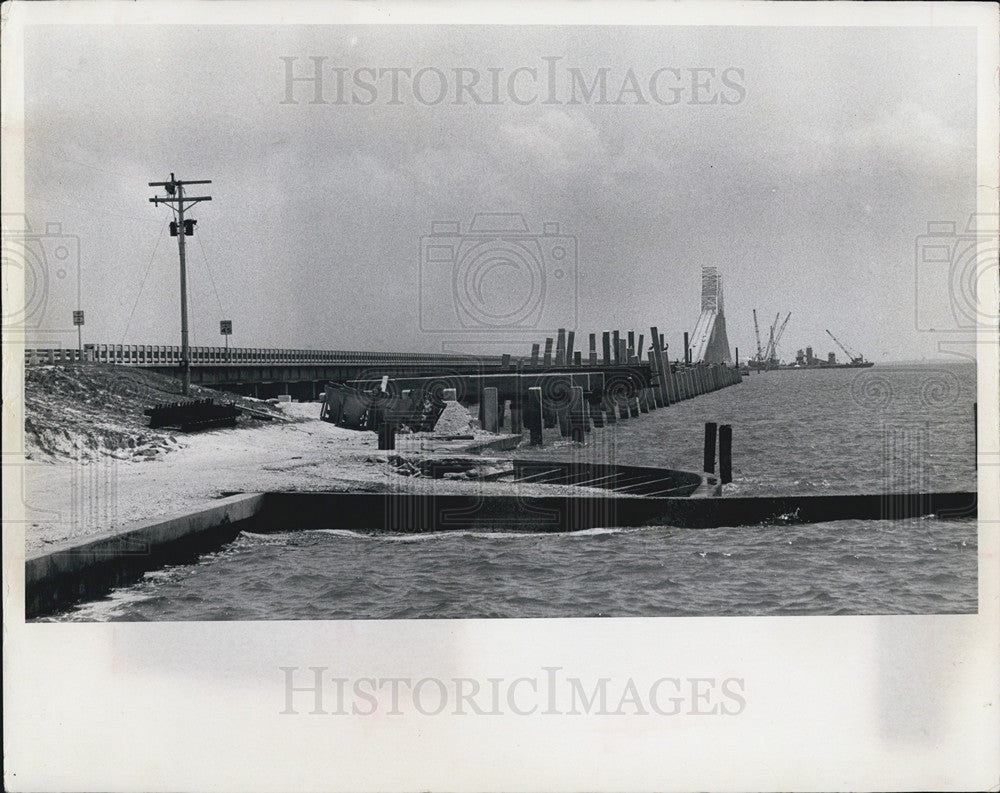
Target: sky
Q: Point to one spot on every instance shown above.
(804, 164)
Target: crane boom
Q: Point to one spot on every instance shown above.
(781, 330)
(854, 358)
(756, 332)
(769, 355)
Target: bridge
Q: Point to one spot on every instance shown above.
(641, 382)
(709, 343)
(627, 367)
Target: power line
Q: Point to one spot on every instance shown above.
(143, 284)
(208, 267)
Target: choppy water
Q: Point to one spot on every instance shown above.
(878, 430)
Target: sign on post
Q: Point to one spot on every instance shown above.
(226, 327)
(77, 317)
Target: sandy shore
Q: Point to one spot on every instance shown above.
(75, 500)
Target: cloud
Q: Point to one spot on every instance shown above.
(908, 133)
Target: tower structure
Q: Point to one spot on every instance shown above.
(709, 343)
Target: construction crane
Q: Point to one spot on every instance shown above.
(769, 353)
(776, 337)
(854, 357)
(756, 332)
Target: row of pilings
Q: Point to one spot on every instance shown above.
(576, 410)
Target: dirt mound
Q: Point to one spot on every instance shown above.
(83, 411)
(455, 420)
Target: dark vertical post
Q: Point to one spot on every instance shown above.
(662, 342)
(570, 338)
(618, 348)
(386, 436)
(596, 413)
(561, 347)
(622, 352)
(726, 453)
(533, 415)
(577, 358)
(687, 349)
(576, 414)
(631, 345)
(547, 360)
(593, 348)
(710, 431)
(606, 339)
(633, 399)
(534, 355)
(737, 357)
(638, 349)
(516, 407)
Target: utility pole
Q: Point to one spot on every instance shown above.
(181, 228)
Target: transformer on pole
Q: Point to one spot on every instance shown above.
(181, 228)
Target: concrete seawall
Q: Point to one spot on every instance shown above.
(80, 571)
(75, 571)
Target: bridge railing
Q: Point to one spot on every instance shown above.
(170, 356)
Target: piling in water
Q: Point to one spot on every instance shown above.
(726, 453)
(711, 429)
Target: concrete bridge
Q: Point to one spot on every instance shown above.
(303, 374)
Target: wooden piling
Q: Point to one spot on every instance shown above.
(533, 415)
(387, 436)
(618, 347)
(562, 416)
(711, 429)
(547, 360)
(633, 404)
(596, 410)
(641, 398)
(687, 349)
(606, 339)
(576, 414)
(726, 453)
(570, 339)
(561, 347)
(534, 355)
(577, 358)
(638, 349)
(516, 420)
(622, 352)
(488, 412)
(593, 348)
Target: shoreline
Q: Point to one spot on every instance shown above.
(76, 500)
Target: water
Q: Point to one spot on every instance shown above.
(872, 431)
